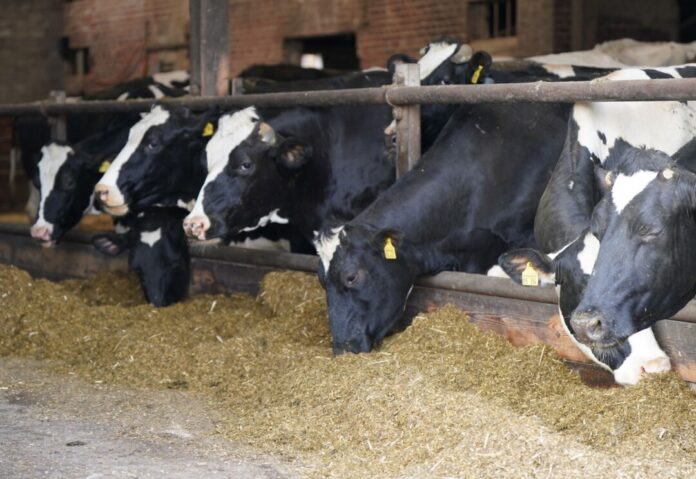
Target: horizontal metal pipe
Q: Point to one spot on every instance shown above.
(629, 90)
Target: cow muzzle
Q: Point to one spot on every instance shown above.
(42, 233)
(591, 328)
(196, 227)
(110, 200)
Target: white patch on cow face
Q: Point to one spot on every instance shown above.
(156, 116)
(437, 54)
(156, 91)
(497, 272)
(232, 130)
(561, 71)
(53, 156)
(120, 228)
(588, 255)
(663, 125)
(187, 205)
(151, 238)
(272, 217)
(628, 187)
(326, 246)
(646, 357)
(123, 96)
(167, 79)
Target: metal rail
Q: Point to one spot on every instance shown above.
(676, 89)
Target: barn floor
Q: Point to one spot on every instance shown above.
(57, 426)
(237, 386)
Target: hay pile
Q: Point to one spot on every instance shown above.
(440, 399)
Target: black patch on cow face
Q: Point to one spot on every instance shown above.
(687, 72)
(366, 293)
(656, 74)
(165, 167)
(253, 183)
(602, 137)
(72, 189)
(163, 263)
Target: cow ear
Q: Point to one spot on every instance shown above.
(462, 54)
(529, 262)
(110, 244)
(388, 242)
(477, 67)
(398, 59)
(604, 179)
(293, 154)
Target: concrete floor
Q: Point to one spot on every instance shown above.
(58, 427)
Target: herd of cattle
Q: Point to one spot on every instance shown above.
(596, 198)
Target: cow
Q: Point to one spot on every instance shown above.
(161, 165)
(31, 133)
(157, 252)
(300, 166)
(583, 214)
(471, 196)
(65, 178)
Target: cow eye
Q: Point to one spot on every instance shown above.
(352, 279)
(393, 140)
(152, 144)
(246, 166)
(445, 81)
(648, 233)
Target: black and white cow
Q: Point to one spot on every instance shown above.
(65, 178)
(159, 164)
(157, 252)
(618, 241)
(302, 166)
(471, 196)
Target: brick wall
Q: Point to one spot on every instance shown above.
(29, 57)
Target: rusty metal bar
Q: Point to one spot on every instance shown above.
(630, 90)
(408, 126)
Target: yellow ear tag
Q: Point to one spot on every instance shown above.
(530, 277)
(104, 166)
(477, 74)
(208, 129)
(389, 249)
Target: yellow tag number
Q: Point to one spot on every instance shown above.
(104, 166)
(389, 249)
(208, 129)
(530, 277)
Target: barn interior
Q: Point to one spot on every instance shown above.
(239, 379)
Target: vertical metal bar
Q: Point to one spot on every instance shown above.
(14, 151)
(209, 47)
(58, 129)
(508, 18)
(237, 86)
(496, 19)
(408, 127)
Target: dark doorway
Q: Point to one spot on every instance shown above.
(687, 21)
(333, 52)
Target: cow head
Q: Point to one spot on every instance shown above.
(64, 178)
(158, 252)
(644, 268)
(158, 163)
(249, 166)
(368, 276)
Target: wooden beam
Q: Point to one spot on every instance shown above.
(408, 127)
(209, 47)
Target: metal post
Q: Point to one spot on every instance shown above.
(58, 129)
(14, 153)
(209, 47)
(408, 128)
(237, 86)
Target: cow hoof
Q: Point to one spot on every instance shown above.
(657, 365)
